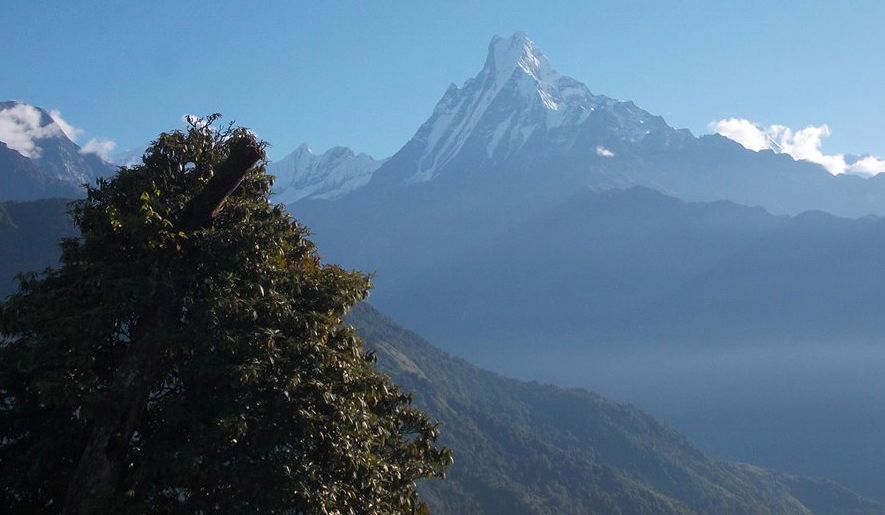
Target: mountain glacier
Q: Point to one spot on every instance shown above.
(516, 97)
(303, 174)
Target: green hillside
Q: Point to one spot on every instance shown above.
(527, 448)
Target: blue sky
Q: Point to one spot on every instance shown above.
(367, 73)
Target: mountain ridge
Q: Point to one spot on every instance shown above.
(521, 125)
(302, 174)
(518, 99)
(522, 447)
(42, 161)
(571, 451)
(643, 296)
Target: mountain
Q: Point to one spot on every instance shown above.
(521, 126)
(29, 236)
(20, 177)
(685, 309)
(303, 174)
(38, 159)
(524, 447)
(527, 448)
(637, 268)
(536, 229)
(755, 335)
(519, 107)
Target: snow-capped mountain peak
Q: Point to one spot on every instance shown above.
(40, 154)
(303, 174)
(518, 54)
(518, 107)
(516, 97)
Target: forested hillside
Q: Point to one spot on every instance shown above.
(528, 448)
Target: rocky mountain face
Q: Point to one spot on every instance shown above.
(521, 126)
(305, 175)
(38, 159)
(518, 109)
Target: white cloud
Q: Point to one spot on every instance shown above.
(869, 165)
(102, 147)
(743, 131)
(22, 126)
(803, 144)
(20, 129)
(604, 152)
(70, 131)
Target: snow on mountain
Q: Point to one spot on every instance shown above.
(528, 136)
(40, 158)
(516, 96)
(303, 174)
(130, 156)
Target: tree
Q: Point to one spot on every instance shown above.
(189, 355)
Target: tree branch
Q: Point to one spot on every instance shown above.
(206, 205)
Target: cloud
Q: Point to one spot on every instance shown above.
(604, 152)
(21, 128)
(745, 132)
(70, 131)
(102, 147)
(803, 144)
(869, 165)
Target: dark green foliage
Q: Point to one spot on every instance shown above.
(526, 448)
(265, 402)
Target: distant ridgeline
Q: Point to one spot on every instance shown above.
(527, 448)
(29, 236)
(50, 164)
(548, 232)
(520, 448)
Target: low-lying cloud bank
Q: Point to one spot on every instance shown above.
(22, 127)
(803, 144)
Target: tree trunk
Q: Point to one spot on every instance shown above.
(100, 468)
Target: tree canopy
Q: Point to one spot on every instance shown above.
(189, 355)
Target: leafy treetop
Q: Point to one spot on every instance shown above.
(175, 365)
